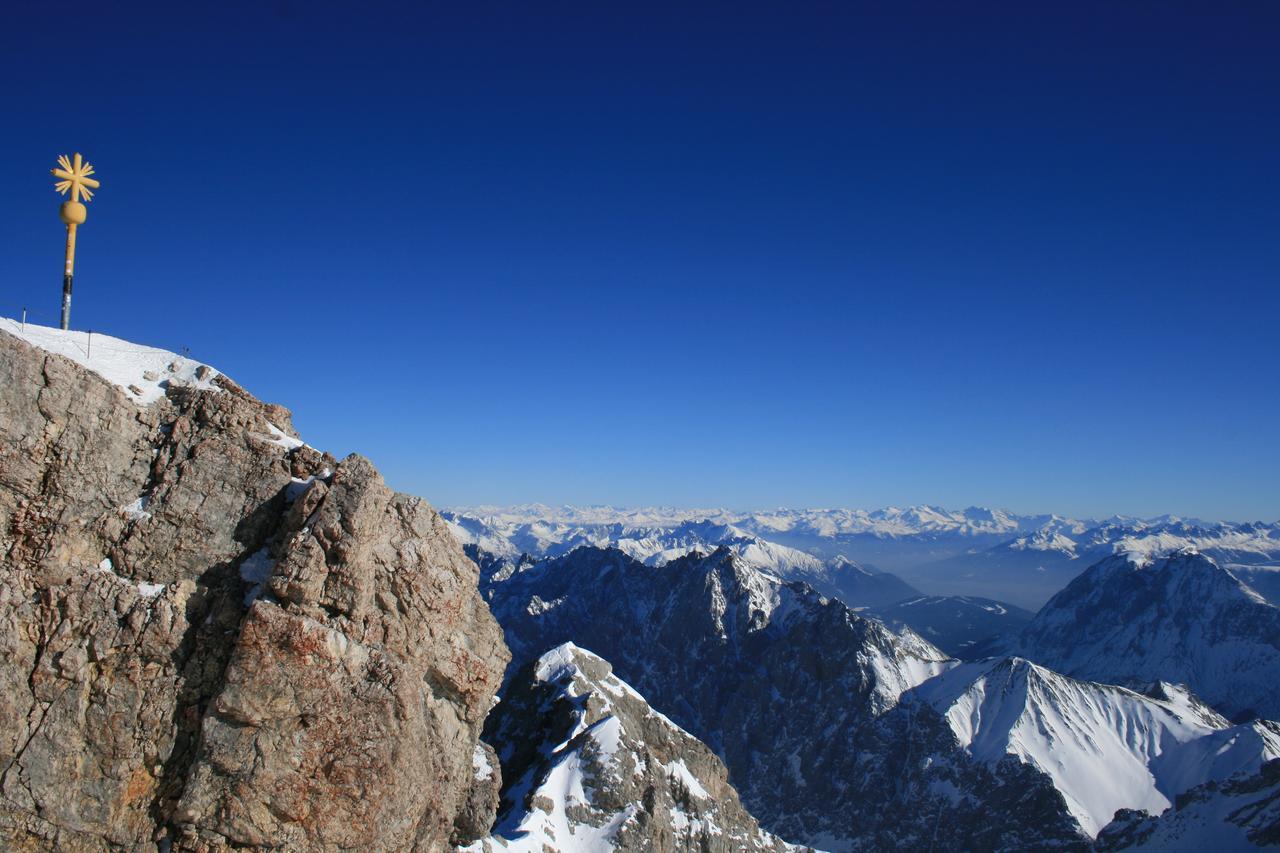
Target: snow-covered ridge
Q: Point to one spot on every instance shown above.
(1104, 747)
(141, 372)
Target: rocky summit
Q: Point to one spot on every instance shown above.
(215, 636)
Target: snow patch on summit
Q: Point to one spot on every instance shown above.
(143, 373)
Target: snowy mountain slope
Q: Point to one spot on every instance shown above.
(720, 599)
(1239, 814)
(592, 767)
(1104, 747)
(855, 585)
(839, 577)
(959, 625)
(1134, 620)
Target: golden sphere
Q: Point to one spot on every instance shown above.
(73, 212)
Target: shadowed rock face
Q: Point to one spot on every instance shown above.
(215, 637)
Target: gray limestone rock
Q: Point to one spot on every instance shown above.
(216, 636)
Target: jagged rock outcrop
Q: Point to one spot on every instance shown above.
(215, 636)
(592, 765)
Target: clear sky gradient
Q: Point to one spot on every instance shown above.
(1013, 254)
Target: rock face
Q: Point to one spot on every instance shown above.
(591, 766)
(215, 636)
(1133, 620)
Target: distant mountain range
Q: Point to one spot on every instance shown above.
(1023, 559)
(837, 576)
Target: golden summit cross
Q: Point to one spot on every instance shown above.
(74, 174)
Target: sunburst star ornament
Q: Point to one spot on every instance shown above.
(75, 177)
(74, 174)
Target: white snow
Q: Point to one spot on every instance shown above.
(824, 523)
(574, 772)
(1216, 820)
(146, 590)
(127, 365)
(256, 569)
(137, 510)
(1135, 618)
(678, 770)
(480, 763)
(281, 439)
(607, 735)
(297, 486)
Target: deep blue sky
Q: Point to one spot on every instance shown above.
(694, 254)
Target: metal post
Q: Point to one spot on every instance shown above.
(24, 318)
(67, 272)
(88, 353)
